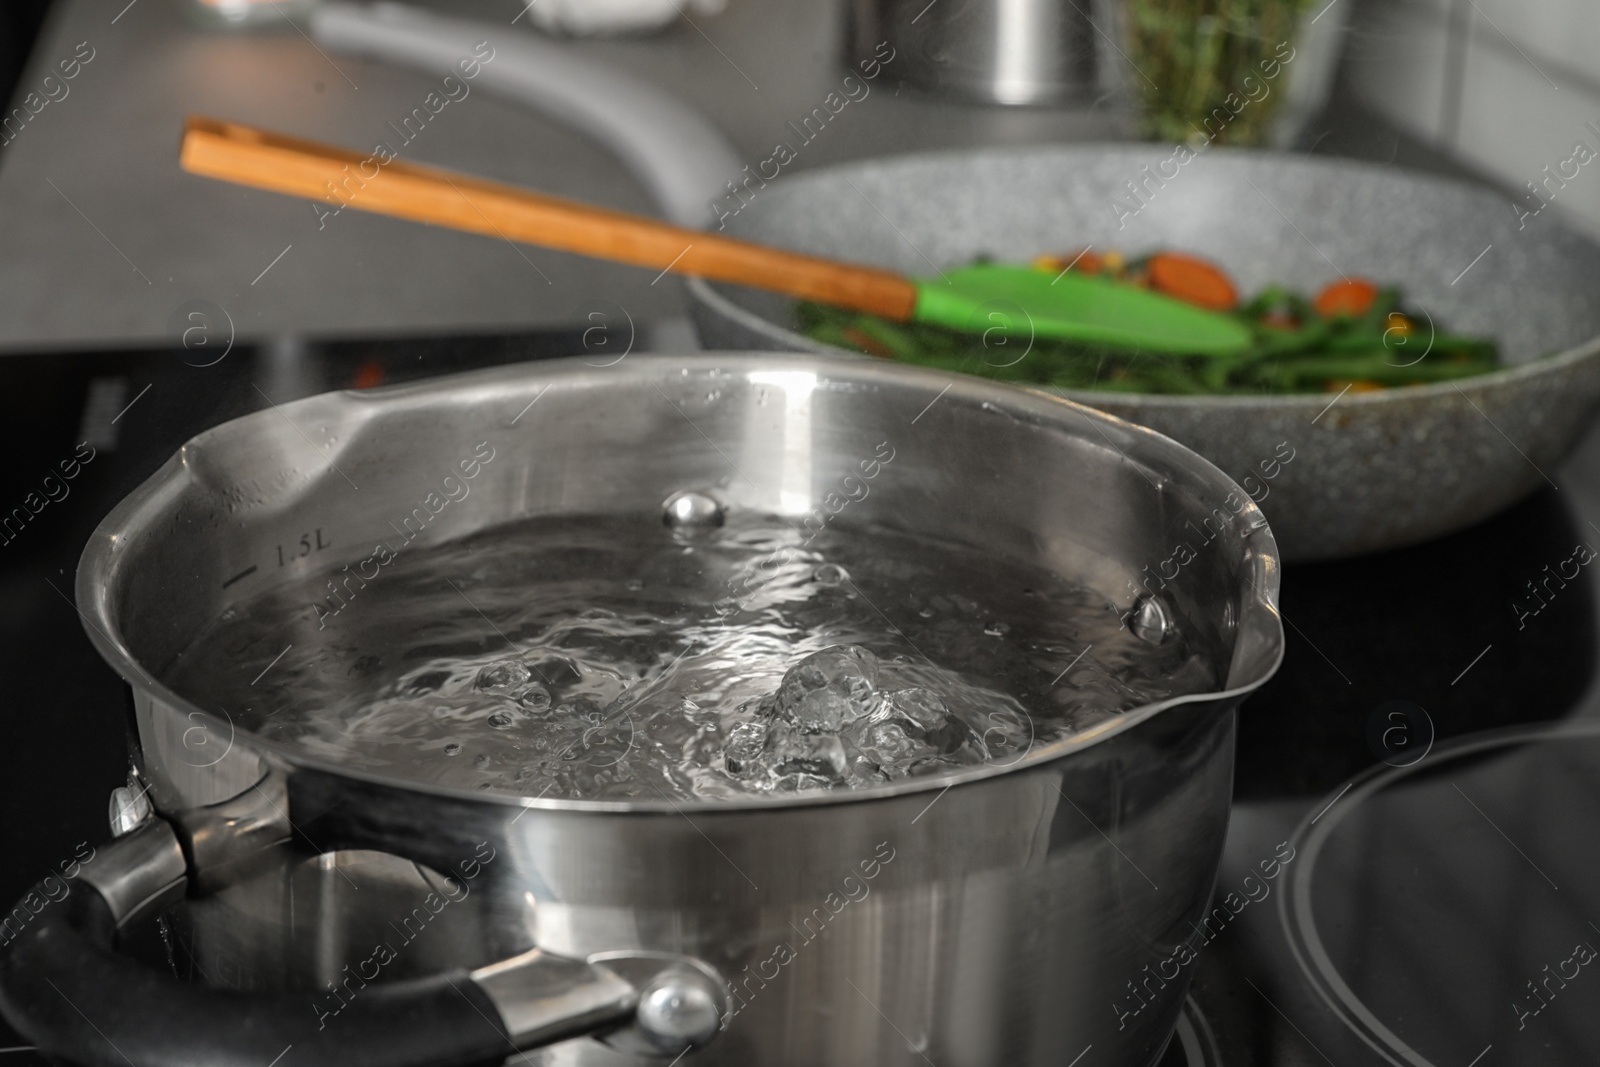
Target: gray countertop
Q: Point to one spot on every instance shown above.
(102, 238)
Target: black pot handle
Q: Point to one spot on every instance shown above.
(65, 988)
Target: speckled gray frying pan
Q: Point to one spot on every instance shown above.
(1374, 470)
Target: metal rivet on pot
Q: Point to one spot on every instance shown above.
(690, 508)
(128, 810)
(679, 1010)
(1150, 621)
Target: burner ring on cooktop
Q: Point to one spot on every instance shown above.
(1318, 829)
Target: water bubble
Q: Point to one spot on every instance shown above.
(691, 509)
(503, 674)
(926, 613)
(500, 720)
(481, 760)
(828, 689)
(557, 671)
(997, 629)
(746, 741)
(816, 755)
(452, 749)
(830, 574)
(534, 698)
(633, 585)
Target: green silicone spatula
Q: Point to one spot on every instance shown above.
(1068, 306)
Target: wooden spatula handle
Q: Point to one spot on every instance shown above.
(248, 156)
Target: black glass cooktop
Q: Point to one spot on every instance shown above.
(1427, 757)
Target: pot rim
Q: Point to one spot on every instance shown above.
(1258, 613)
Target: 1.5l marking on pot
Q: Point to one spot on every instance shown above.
(247, 572)
(306, 548)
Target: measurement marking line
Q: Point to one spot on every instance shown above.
(302, 433)
(1071, 665)
(524, 11)
(274, 263)
(1474, 662)
(132, 402)
(678, 1057)
(1332, 402)
(532, 402)
(1125, 57)
(490, 222)
(932, 402)
(274, 663)
(1513, 44)
(1289, 1021)
(924, 11)
(931, 803)
(1069, 266)
(124, 11)
(1332, 802)
(98, 230)
(896, 229)
(314, 44)
(1296, 229)
(1324, 11)
(90, 1021)
(909, 1043)
(30, 1048)
(1110, 842)
(702, 433)
(1469, 266)
(674, 262)
(713, 44)
(1502, 433)
(280, 1055)
(1479, 1056)
(1080, 1056)
(247, 572)
(1502, 833)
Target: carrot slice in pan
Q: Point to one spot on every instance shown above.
(1193, 280)
(1347, 296)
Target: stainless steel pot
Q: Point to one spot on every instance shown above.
(1009, 914)
(1018, 52)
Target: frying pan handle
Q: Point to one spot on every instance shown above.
(65, 988)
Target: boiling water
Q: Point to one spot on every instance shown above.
(614, 658)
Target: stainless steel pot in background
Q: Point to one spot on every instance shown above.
(1003, 915)
(1017, 52)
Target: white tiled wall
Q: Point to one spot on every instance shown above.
(1507, 85)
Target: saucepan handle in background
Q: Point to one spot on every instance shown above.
(675, 151)
(65, 988)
